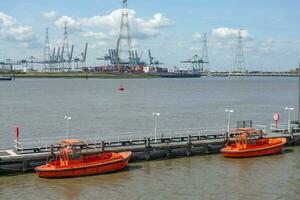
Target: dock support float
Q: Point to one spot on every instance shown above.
(147, 149)
(102, 146)
(189, 146)
(169, 152)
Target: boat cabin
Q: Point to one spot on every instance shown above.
(249, 138)
(70, 152)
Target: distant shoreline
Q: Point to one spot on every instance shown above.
(117, 75)
(81, 75)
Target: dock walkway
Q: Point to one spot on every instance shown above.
(33, 152)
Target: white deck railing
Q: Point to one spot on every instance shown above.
(46, 142)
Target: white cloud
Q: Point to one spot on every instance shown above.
(49, 15)
(229, 33)
(195, 48)
(24, 44)
(12, 31)
(135, 44)
(262, 45)
(223, 44)
(96, 35)
(6, 20)
(157, 21)
(98, 45)
(140, 28)
(197, 36)
(72, 23)
(181, 44)
(110, 25)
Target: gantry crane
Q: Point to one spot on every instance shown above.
(197, 63)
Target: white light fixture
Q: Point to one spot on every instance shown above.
(228, 122)
(68, 118)
(156, 115)
(289, 109)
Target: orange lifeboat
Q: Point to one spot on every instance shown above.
(70, 162)
(244, 147)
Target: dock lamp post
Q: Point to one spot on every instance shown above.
(68, 118)
(289, 121)
(228, 122)
(156, 115)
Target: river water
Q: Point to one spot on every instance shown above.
(38, 107)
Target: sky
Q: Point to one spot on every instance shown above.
(172, 29)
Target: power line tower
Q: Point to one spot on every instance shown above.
(65, 54)
(239, 63)
(47, 57)
(205, 52)
(124, 46)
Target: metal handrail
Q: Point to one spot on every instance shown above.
(279, 128)
(45, 142)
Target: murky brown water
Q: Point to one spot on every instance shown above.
(39, 106)
(199, 177)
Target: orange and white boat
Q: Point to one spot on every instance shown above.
(70, 162)
(245, 147)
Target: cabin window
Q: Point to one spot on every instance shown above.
(74, 155)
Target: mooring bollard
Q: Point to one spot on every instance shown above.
(189, 140)
(168, 152)
(102, 146)
(189, 146)
(206, 149)
(226, 138)
(147, 148)
(148, 142)
(24, 165)
(52, 151)
(147, 155)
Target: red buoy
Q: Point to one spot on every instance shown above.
(121, 88)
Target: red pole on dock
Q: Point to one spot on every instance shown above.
(17, 133)
(276, 119)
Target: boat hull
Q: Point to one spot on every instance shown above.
(5, 78)
(85, 170)
(180, 75)
(272, 148)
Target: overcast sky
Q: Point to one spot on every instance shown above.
(170, 28)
